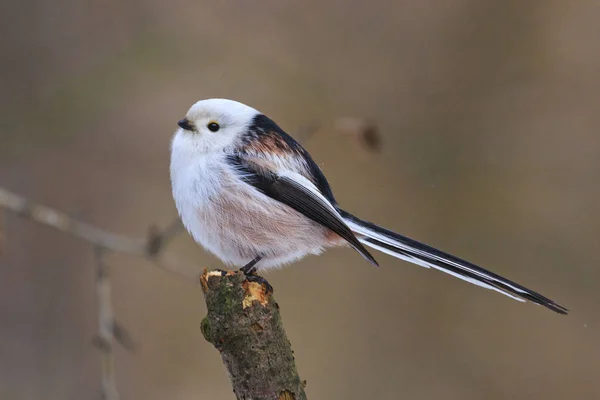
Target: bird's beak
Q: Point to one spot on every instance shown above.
(185, 124)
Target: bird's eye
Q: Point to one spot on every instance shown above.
(213, 126)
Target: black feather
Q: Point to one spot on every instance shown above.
(264, 126)
(432, 256)
(296, 196)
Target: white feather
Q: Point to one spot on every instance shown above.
(427, 265)
(367, 232)
(385, 239)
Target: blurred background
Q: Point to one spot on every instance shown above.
(489, 116)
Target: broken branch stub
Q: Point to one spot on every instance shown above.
(244, 325)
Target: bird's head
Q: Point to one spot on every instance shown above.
(213, 125)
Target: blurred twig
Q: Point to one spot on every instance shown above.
(364, 131)
(97, 236)
(158, 240)
(63, 222)
(3, 229)
(105, 327)
(104, 242)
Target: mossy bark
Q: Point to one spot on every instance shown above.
(244, 325)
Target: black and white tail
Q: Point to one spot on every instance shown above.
(426, 256)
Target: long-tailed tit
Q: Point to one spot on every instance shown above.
(253, 196)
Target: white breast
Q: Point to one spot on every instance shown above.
(194, 182)
(233, 220)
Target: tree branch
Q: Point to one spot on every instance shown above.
(244, 325)
(3, 228)
(109, 331)
(106, 240)
(106, 329)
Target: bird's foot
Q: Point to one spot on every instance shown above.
(250, 268)
(250, 271)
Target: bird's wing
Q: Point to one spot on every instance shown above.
(266, 143)
(296, 191)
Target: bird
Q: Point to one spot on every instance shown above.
(250, 194)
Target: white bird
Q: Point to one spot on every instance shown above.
(253, 196)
